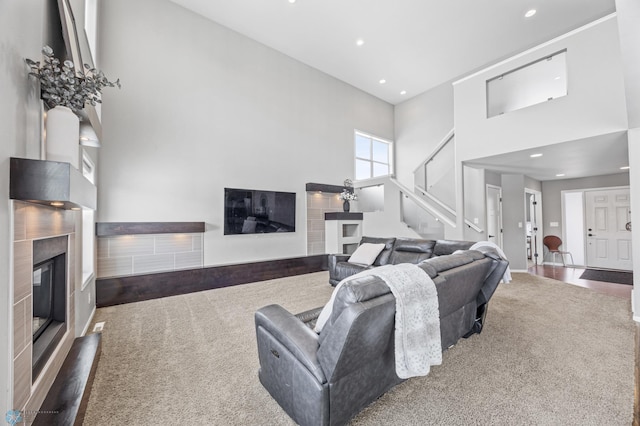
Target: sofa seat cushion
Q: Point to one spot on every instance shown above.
(411, 250)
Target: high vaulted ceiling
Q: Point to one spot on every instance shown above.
(412, 44)
(415, 45)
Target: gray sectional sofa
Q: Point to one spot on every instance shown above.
(327, 378)
(396, 250)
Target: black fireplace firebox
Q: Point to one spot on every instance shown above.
(49, 298)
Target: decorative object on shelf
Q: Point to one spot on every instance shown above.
(65, 91)
(62, 84)
(347, 195)
(63, 129)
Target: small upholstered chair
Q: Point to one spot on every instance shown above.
(553, 244)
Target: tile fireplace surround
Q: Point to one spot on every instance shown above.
(33, 222)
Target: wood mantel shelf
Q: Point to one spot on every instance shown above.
(321, 187)
(107, 229)
(343, 216)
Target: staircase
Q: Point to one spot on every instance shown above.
(426, 211)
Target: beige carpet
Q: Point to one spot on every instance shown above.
(551, 354)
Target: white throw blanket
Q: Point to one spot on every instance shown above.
(507, 273)
(417, 319)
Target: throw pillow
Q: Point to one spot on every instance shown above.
(366, 253)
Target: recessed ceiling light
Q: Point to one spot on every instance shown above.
(560, 174)
(292, 1)
(359, 42)
(529, 13)
(57, 203)
(75, 208)
(383, 81)
(624, 168)
(535, 155)
(404, 92)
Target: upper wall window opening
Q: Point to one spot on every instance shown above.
(373, 156)
(540, 81)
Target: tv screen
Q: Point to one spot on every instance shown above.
(252, 211)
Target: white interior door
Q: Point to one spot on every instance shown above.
(494, 214)
(608, 240)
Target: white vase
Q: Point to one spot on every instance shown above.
(63, 136)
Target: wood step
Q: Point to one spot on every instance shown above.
(66, 402)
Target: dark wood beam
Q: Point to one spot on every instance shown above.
(106, 229)
(136, 288)
(314, 187)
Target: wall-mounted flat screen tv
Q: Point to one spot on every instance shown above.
(252, 211)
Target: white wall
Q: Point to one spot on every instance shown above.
(420, 124)
(628, 17)
(203, 108)
(595, 103)
(21, 35)
(513, 221)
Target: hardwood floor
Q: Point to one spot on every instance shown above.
(572, 276)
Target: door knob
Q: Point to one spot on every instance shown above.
(591, 235)
(491, 236)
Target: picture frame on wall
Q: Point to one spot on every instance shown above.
(70, 35)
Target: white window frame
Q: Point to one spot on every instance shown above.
(88, 226)
(370, 160)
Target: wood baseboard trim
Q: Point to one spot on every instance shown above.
(136, 288)
(636, 391)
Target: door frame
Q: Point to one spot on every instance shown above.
(605, 189)
(584, 213)
(500, 234)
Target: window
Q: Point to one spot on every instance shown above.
(373, 156)
(88, 224)
(531, 84)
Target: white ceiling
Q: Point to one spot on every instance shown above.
(416, 45)
(413, 44)
(599, 155)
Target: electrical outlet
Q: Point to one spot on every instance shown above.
(89, 298)
(98, 327)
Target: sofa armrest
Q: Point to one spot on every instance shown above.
(293, 334)
(332, 260)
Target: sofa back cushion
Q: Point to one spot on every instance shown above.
(449, 246)
(411, 250)
(352, 292)
(383, 257)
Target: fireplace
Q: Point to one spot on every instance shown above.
(49, 298)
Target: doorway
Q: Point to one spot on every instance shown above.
(608, 229)
(533, 229)
(494, 214)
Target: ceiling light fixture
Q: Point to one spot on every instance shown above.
(560, 175)
(404, 92)
(535, 155)
(57, 203)
(624, 168)
(359, 42)
(292, 1)
(383, 81)
(529, 13)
